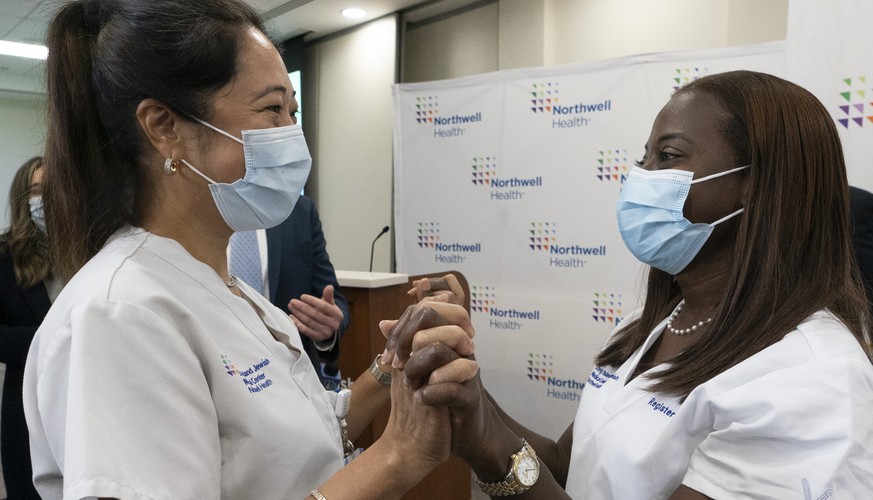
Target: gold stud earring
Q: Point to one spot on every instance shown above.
(170, 166)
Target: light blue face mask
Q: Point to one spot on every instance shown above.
(37, 212)
(651, 222)
(277, 166)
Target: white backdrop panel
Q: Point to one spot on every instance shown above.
(511, 178)
(828, 52)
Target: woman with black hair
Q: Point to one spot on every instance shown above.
(156, 373)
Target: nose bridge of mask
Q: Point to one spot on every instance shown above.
(661, 188)
(294, 150)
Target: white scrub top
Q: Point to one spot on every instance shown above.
(150, 379)
(793, 421)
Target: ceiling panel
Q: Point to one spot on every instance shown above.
(26, 21)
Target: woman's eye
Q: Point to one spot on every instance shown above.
(664, 156)
(275, 109)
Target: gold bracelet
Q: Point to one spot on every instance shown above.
(383, 377)
(317, 495)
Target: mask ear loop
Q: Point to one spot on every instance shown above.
(715, 176)
(222, 132)
(720, 174)
(726, 217)
(201, 174)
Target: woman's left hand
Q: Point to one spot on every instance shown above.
(432, 344)
(451, 324)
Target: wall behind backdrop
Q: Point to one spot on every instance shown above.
(22, 136)
(829, 54)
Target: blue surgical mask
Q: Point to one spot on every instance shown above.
(651, 221)
(37, 212)
(277, 166)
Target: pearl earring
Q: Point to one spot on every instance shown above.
(170, 166)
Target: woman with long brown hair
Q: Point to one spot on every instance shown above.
(27, 288)
(747, 372)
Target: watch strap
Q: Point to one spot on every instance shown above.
(384, 378)
(509, 486)
(502, 489)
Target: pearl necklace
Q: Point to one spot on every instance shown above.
(231, 282)
(683, 331)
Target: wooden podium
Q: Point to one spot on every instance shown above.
(373, 297)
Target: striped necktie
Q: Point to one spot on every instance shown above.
(245, 259)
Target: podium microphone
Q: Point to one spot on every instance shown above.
(384, 230)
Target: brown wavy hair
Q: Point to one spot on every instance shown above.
(26, 244)
(793, 254)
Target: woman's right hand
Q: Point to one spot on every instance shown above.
(433, 346)
(420, 434)
(428, 424)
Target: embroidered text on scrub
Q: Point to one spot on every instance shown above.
(661, 407)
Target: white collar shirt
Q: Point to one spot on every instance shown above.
(792, 421)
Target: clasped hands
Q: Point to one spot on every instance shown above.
(437, 399)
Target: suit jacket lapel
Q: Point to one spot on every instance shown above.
(37, 300)
(274, 260)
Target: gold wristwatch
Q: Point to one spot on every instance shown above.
(523, 473)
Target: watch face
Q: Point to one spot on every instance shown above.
(528, 471)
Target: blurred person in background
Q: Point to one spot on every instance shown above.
(27, 288)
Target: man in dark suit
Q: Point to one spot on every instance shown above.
(862, 235)
(301, 279)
